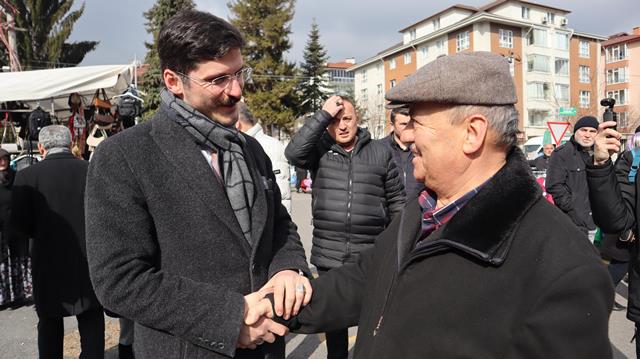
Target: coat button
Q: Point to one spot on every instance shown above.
(220, 346)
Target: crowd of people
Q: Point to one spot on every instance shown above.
(435, 241)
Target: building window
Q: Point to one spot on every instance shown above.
(551, 17)
(506, 38)
(392, 83)
(617, 75)
(562, 93)
(462, 41)
(621, 118)
(538, 117)
(562, 41)
(617, 53)
(538, 63)
(619, 95)
(392, 64)
(407, 58)
(538, 90)
(363, 95)
(537, 37)
(436, 24)
(584, 49)
(424, 51)
(440, 46)
(379, 87)
(364, 75)
(525, 12)
(562, 67)
(584, 75)
(585, 99)
(412, 34)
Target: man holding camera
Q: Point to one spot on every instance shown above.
(356, 190)
(566, 177)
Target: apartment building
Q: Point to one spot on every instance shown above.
(337, 76)
(621, 55)
(556, 69)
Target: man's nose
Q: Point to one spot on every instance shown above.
(234, 89)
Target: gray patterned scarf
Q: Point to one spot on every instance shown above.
(228, 143)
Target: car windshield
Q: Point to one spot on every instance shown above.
(530, 148)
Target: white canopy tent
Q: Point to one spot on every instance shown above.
(51, 88)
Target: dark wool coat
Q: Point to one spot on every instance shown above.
(355, 194)
(48, 206)
(509, 276)
(403, 159)
(165, 248)
(615, 210)
(567, 183)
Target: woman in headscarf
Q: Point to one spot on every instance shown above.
(15, 274)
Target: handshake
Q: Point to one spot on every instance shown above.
(290, 292)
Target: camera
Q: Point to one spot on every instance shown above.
(609, 102)
(608, 112)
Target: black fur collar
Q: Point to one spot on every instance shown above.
(485, 226)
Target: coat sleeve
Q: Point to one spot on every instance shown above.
(303, 151)
(569, 319)
(283, 177)
(123, 258)
(21, 217)
(556, 184)
(611, 195)
(394, 190)
(336, 300)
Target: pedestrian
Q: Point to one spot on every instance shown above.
(613, 192)
(357, 191)
(301, 175)
(401, 152)
(566, 179)
(480, 265)
(15, 265)
(184, 218)
(48, 206)
(272, 147)
(541, 163)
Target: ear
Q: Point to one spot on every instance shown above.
(41, 149)
(173, 82)
(476, 136)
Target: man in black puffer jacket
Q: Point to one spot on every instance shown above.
(357, 190)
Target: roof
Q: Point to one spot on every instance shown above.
(588, 35)
(618, 39)
(497, 3)
(338, 65)
(456, 6)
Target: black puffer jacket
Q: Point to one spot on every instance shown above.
(403, 158)
(355, 194)
(567, 183)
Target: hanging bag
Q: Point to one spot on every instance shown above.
(101, 109)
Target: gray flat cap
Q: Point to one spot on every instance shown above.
(470, 78)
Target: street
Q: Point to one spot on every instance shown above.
(19, 338)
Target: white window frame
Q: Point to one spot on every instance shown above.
(424, 51)
(617, 75)
(584, 52)
(621, 96)
(436, 23)
(462, 41)
(551, 18)
(364, 75)
(541, 65)
(562, 41)
(363, 95)
(622, 118)
(525, 12)
(537, 90)
(539, 37)
(585, 99)
(379, 88)
(505, 38)
(412, 34)
(392, 64)
(392, 83)
(407, 58)
(441, 46)
(562, 93)
(566, 67)
(617, 53)
(584, 74)
(542, 121)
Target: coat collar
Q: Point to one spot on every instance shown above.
(362, 138)
(485, 226)
(182, 152)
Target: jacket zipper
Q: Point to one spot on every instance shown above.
(349, 200)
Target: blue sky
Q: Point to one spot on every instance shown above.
(356, 28)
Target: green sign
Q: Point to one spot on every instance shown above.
(567, 111)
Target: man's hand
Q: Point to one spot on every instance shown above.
(333, 105)
(290, 291)
(258, 327)
(607, 143)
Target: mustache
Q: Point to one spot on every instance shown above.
(230, 101)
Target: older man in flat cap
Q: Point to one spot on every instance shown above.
(480, 265)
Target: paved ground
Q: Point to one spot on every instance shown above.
(18, 327)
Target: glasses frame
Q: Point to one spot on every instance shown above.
(243, 76)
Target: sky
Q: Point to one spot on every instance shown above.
(355, 28)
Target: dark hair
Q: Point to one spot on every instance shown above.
(191, 36)
(396, 111)
(244, 115)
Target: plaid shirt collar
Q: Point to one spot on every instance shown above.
(434, 218)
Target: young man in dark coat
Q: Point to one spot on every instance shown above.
(356, 190)
(480, 265)
(401, 152)
(615, 200)
(48, 206)
(566, 177)
(184, 213)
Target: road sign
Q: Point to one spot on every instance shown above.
(558, 129)
(567, 111)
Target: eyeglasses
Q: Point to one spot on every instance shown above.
(243, 75)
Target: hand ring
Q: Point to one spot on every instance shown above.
(338, 103)
(300, 288)
(259, 342)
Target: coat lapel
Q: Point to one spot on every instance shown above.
(182, 152)
(260, 208)
(409, 229)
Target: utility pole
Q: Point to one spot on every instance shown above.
(9, 38)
